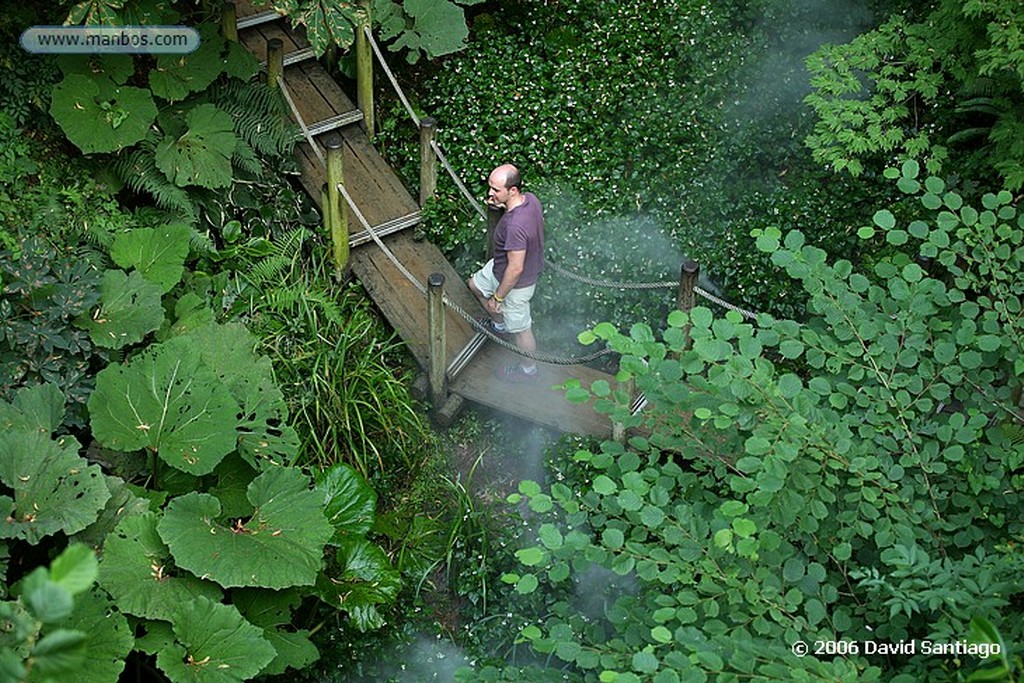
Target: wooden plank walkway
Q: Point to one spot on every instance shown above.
(388, 206)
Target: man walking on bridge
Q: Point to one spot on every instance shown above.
(505, 285)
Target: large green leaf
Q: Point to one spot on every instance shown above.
(280, 545)
(108, 638)
(128, 310)
(55, 490)
(166, 400)
(117, 67)
(37, 409)
(122, 503)
(263, 432)
(177, 75)
(362, 580)
(294, 650)
(98, 116)
(202, 154)
(214, 645)
(349, 501)
(157, 253)
(271, 610)
(438, 28)
(137, 570)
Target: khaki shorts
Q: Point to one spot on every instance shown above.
(515, 309)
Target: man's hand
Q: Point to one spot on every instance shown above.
(492, 306)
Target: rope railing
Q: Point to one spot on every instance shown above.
(300, 121)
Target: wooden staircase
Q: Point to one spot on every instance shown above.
(389, 208)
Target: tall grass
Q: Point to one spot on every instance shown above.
(338, 364)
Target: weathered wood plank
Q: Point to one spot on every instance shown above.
(538, 402)
(402, 303)
(255, 39)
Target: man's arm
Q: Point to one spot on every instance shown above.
(516, 263)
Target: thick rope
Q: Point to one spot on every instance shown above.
(391, 76)
(298, 119)
(458, 181)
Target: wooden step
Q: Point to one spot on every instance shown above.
(387, 228)
(249, 15)
(321, 102)
(296, 47)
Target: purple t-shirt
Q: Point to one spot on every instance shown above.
(519, 229)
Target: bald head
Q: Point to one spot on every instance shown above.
(507, 175)
(504, 187)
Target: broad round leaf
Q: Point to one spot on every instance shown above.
(157, 253)
(55, 490)
(214, 645)
(128, 310)
(262, 430)
(137, 570)
(177, 75)
(281, 545)
(166, 400)
(107, 123)
(349, 502)
(202, 155)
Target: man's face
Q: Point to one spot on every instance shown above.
(498, 194)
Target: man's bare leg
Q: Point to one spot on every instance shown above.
(526, 342)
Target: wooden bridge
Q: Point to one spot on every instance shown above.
(326, 111)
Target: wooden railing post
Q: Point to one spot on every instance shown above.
(275, 61)
(494, 214)
(337, 207)
(437, 340)
(229, 22)
(364, 69)
(428, 160)
(686, 298)
(325, 198)
(618, 428)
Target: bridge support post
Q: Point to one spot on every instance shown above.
(364, 69)
(619, 428)
(428, 161)
(686, 298)
(275, 61)
(229, 22)
(437, 342)
(494, 214)
(336, 209)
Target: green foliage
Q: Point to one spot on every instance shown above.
(918, 86)
(848, 477)
(202, 154)
(44, 291)
(333, 358)
(209, 124)
(99, 116)
(431, 27)
(35, 643)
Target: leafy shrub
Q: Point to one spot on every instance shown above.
(943, 82)
(851, 477)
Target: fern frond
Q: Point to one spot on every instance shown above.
(137, 169)
(245, 158)
(260, 115)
